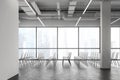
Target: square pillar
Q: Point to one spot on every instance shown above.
(105, 15)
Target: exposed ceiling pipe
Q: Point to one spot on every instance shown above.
(58, 10)
(83, 12)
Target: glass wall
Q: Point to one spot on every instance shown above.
(27, 43)
(46, 37)
(58, 42)
(27, 38)
(89, 42)
(67, 37)
(89, 37)
(47, 42)
(67, 42)
(47, 53)
(115, 43)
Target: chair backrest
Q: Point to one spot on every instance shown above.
(83, 55)
(112, 55)
(117, 55)
(55, 56)
(40, 55)
(69, 54)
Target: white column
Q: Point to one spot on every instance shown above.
(105, 16)
(8, 39)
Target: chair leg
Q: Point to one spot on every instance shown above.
(63, 62)
(47, 62)
(69, 61)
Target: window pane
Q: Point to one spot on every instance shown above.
(89, 37)
(115, 37)
(65, 52)
(89, 53)
(47, 53)
(47, 37)
(27, 53)
(27, 38)
(68, 37)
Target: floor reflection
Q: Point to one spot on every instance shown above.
(78, 70)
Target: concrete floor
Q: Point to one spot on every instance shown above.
(36, 70)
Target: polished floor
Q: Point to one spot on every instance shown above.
(78, 70)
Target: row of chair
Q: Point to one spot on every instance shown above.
(82, 56)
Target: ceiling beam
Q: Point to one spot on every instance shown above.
(58, 10)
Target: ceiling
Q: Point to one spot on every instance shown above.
(49, 9)
(81, 4)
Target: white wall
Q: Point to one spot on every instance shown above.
(8, 38)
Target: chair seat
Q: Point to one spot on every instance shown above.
(40, 57)
(29, 57)
(77, 57)
(66, 57)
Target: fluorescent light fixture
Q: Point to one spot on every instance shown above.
(41, 21)
(87, 7)
(78, 21)
(30, 6)
(115, 20)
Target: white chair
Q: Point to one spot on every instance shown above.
(94, 55)
(82, 55)
(52, 58)
(115, 57)
(40, 57)
(67, 58)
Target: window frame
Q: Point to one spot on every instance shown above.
(78, 48)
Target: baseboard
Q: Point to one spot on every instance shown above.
(14, 77)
